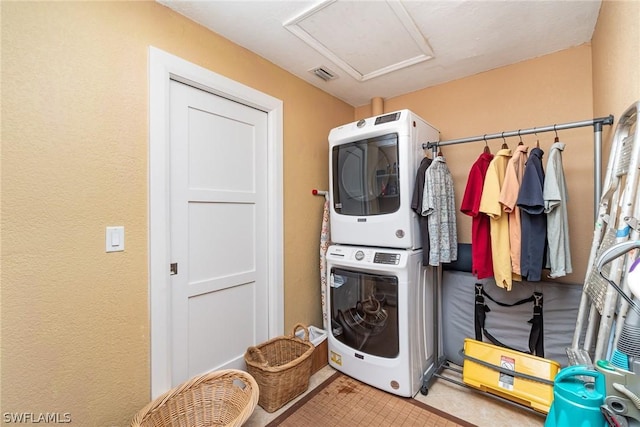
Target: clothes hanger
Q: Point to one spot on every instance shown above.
(556, 139)
(425, 150)
(520, 143)
(504, 144)
(537, 140)
(486, 150)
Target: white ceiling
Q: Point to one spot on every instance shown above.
(379, 48)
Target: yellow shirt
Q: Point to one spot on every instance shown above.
(490, 204)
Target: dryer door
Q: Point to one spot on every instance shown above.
(365, 176)
(364, 311)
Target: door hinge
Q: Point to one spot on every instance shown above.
(173, 268)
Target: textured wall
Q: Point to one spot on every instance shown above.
(75, 328)
(550, 89)
(616, 61)
(75, 331)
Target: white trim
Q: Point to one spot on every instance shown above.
(164, 67)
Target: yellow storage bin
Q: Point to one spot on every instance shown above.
(510, 374)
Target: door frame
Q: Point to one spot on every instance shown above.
(164, 67)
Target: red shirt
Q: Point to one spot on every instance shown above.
(481, 260)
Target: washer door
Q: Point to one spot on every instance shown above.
(364, 311)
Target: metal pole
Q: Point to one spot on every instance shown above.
(597, 142)
(597, 165)
(550, 128)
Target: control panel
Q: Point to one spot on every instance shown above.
(386, 258)
(365, 255)
(387, 118)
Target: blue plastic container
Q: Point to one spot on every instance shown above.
(576, 403)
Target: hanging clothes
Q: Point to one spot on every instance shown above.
(555, 206)
(481, 260)
(325, 241)
(533, 218)
(416, 205)
(490, 205)
(508, 198)
(438, 205)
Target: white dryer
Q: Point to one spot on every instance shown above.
(372, 173)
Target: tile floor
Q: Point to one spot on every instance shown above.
(474, 407)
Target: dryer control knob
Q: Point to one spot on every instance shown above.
(359, 255)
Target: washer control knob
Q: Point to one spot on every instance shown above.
(359, 255)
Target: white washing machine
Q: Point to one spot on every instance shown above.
(380, 307)
(372, 173)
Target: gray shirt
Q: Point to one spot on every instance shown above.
(555, 206)
(438, 205)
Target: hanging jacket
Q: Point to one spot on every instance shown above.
(508, 198)
(490, 205)
(481, 260)
(438, 205)
(555, 206)
(416, 205)
(533, 218)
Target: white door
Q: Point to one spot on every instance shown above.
(218, 231)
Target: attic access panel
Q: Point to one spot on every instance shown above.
(365, 39)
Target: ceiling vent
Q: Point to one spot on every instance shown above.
(384, 38)
(324, 73)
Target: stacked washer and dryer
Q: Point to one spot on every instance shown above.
(380, 296)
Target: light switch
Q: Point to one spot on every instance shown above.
(115, 239)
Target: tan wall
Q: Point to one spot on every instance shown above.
(551, 89)
(75, 331)
(616, 61)
(75, 321)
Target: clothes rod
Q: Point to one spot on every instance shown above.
(596, 123)
(597, 145)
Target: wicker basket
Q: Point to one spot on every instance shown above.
(221, 398)
(281, 367)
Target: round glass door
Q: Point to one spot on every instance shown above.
(364, 311)
(365, 176)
